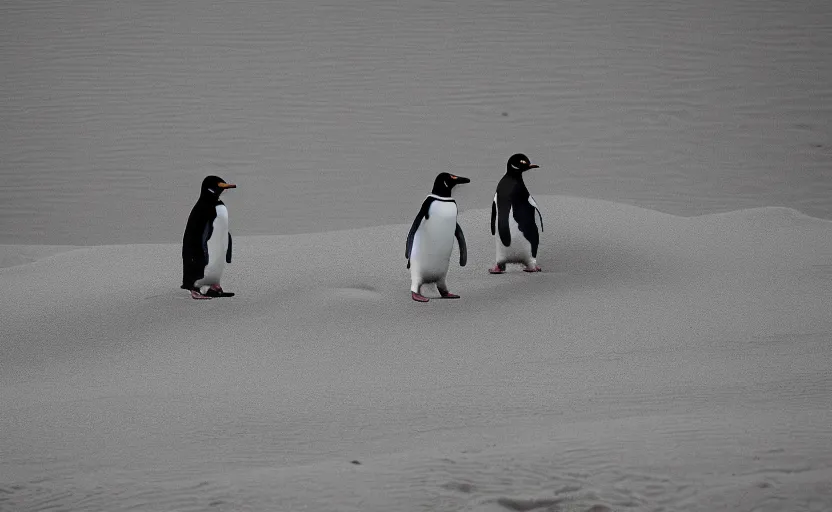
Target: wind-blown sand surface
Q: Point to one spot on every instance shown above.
(112, 113)
(658, 363)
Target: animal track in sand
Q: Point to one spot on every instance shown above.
(459, 486)
(526, 505)
(547, 505)
(357, 292)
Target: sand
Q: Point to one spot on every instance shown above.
(658, 363)
(674, 355)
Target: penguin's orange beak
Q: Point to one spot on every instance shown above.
(533, 166)
(226, 185)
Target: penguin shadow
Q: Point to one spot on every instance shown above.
(174, 295)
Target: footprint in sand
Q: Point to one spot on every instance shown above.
(357, 293)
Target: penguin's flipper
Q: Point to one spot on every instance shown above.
(463, 249)
(228, 252)
(539, 215)
(493, 216)
(193, 266)
(206, 234)
(423, 212)
(503, 211)
(409, 246)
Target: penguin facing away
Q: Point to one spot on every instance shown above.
(514, 215)
(206, 244)
(431, 239)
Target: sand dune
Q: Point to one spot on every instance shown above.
(658, 363)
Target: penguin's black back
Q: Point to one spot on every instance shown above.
(195, 240)
(512, 193)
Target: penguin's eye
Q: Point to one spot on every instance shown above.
(523, 162)
(453, 177)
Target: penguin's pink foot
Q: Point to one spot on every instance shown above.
(448, 295)
(198, 296)
(418, 297)
(497, 269)
(532, 269)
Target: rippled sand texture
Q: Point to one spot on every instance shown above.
(330, 114)
(658, 363)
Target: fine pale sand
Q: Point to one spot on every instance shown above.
(658, 363)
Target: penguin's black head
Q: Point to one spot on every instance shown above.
(519, 163)
(212, 186)
(443, 184)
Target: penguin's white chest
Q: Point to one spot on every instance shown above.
(434, 241)
(217, 248)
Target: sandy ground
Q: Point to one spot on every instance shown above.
(658, 363)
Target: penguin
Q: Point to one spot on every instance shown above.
(513, 218)
(431, 239)
(206, 244)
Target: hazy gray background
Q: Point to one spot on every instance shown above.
(336, 114)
